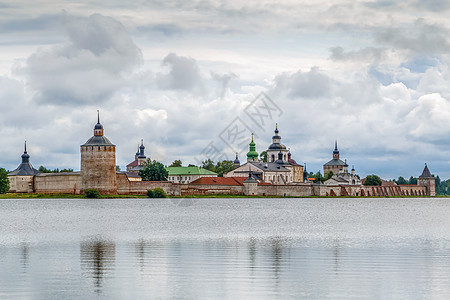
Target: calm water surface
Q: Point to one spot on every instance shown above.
(225, 248)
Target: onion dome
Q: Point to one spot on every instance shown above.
(236, 161)
(98, 126)
(276, 141)
(252, 154)
(141, 154)
(280, 158)
(291, 160)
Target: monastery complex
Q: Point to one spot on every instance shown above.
(278, 175)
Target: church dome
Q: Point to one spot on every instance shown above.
(252, 154)
(277, 146)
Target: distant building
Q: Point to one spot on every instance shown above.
(280, 168)
(336, 165)
(344, 178)
(21, 179)
(188, 174)
(139, 159)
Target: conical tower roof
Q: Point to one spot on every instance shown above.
(25, 168)
(426, 173)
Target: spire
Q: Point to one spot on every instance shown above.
(426, 172)
(98, 128)
(336, 151)
(276, 128)
(25, 156)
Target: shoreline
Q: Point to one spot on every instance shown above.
(73, 196)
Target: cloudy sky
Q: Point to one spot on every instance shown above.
(185, 76)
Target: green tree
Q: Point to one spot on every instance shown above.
(209, 165)
(91, 193)
(263, 156)
(153, 171)
(318, 177)
(43, 169)
(191, 165)
(4, 181)
(117, 168)
(437, 184)
(372, 180)
(412, 180)
(328, 175)
(223, 167)
(156, 193)
(176, 163)
(401, 180)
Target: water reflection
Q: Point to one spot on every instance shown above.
(233, 249)
(97, 260)
(24, 256)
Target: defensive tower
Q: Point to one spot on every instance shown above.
(427, 180)
(98, 162)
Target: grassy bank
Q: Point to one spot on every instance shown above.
(71, 196)
(60, 196)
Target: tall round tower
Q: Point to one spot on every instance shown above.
(98, 163)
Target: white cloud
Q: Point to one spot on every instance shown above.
(183, 74)
(90, 68)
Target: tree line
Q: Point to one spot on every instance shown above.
(156, 171)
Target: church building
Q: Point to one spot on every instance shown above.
(279, 168)
(336, 165)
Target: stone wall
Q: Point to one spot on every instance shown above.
(206, 189)
(21, 184)
(98, 168)
(290, 190)
(127, 187)
(50, 183)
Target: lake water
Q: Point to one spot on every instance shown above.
(225, 249)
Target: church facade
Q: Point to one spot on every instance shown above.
(277, 168)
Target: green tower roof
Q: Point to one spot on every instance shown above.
(252, 154)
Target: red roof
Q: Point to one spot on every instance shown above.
(223, 181)
(133, 163)
(220, 180)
